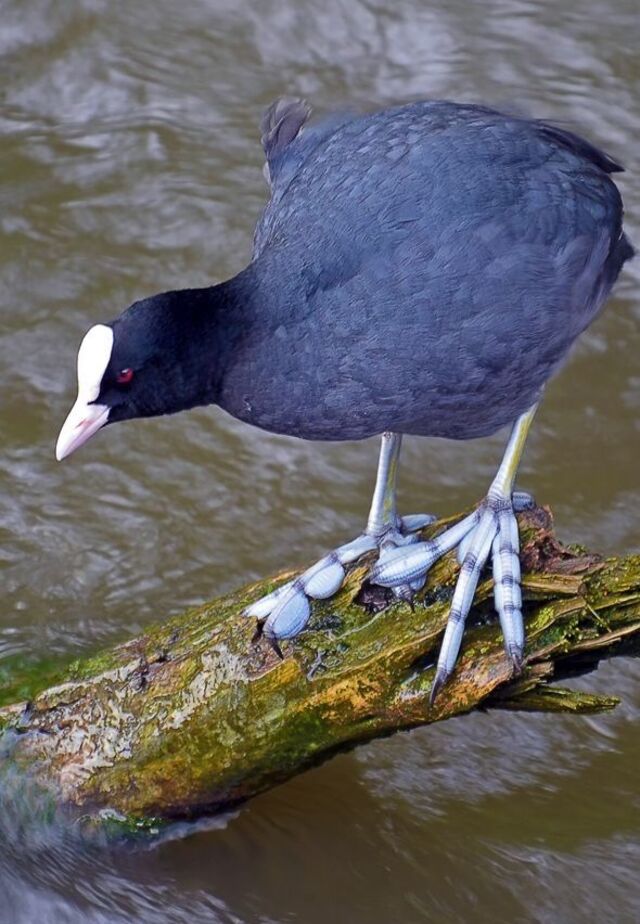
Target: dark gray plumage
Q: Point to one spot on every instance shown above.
(423, 270)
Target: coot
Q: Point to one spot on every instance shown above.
(422, 270)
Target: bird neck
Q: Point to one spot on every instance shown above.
(217, 319)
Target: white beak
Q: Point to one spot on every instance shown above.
(85, 417)
(82, 422)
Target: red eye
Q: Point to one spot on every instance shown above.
(124, 376)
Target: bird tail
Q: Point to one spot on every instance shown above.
(625, 249)
(620, 251)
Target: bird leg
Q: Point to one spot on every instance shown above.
(491, 529)
(285, 612)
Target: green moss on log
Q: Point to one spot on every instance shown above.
(192, 717)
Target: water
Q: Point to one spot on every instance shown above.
(130, 163)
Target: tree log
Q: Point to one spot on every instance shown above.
(193, 717)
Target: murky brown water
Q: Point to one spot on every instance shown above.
(130, 163)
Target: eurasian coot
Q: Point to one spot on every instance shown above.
(422, 270)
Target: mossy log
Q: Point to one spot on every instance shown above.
(193, 717)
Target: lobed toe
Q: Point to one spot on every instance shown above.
(290, 615)
(325, 580)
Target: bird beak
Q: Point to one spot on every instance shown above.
(83, 421)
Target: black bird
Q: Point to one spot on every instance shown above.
(421, 270)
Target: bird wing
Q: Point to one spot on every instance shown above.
(444, 216)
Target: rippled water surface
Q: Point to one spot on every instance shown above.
(130, 163)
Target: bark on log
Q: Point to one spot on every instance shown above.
(192, 717)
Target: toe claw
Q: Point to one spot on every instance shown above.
(274, 645)
(257, 635)
(517, 660)
(439, 681)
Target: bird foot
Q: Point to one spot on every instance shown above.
(491, 529)
(285, 612)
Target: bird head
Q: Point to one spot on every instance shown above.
(144, 363)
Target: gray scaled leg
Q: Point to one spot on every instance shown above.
(285, 612)
(492, 529)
